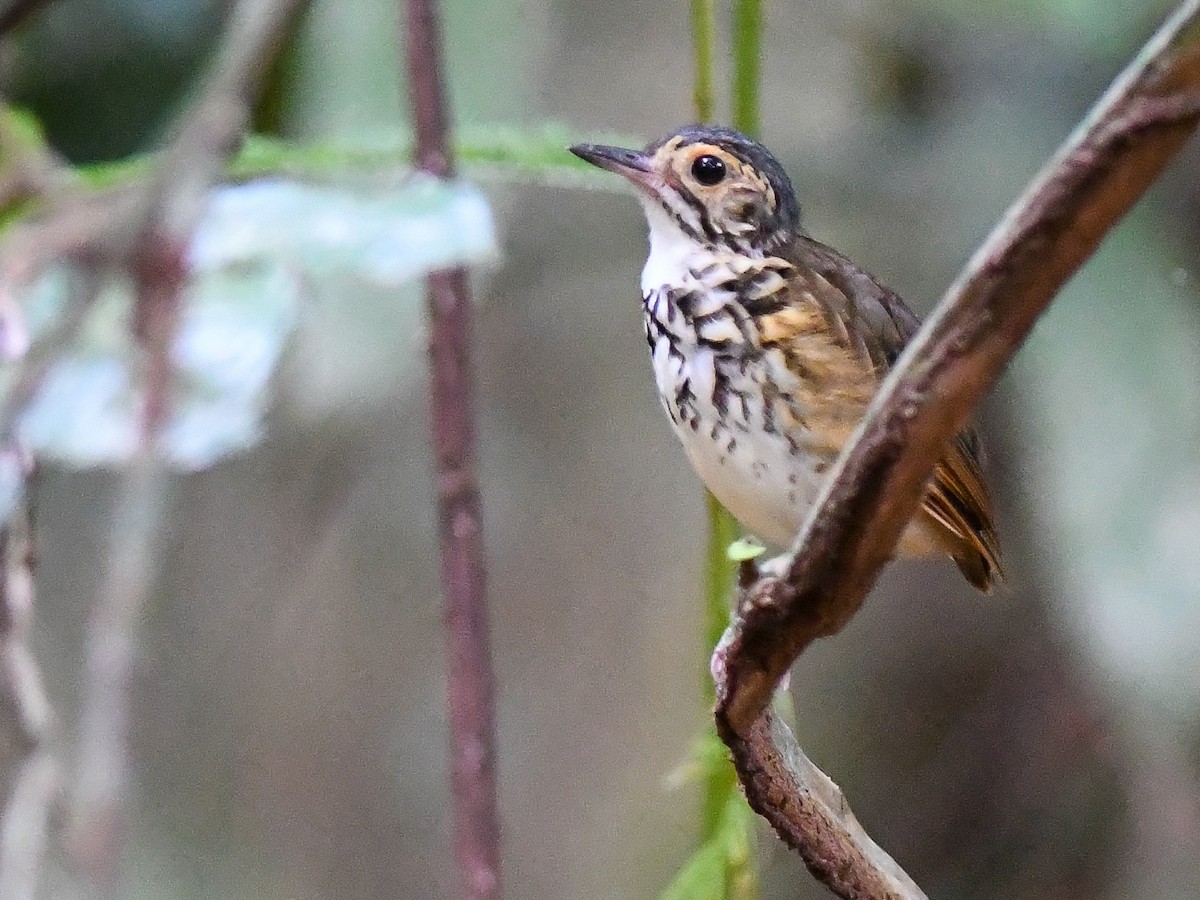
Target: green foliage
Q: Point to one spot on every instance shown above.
(704, 38)
(722, 867)
(747, 54)
(22, 136)
(499, 152)
(22, 131)
(720, 566)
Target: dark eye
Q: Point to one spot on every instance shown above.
(708, 170)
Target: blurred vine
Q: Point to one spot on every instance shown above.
(704, 42)
(747, 71)
(501, 153)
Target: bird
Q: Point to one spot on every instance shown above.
(767, 345)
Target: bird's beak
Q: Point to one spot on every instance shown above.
(631, 164)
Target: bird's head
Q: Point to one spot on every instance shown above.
(713, 185)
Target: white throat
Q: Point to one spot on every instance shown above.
(671, 250)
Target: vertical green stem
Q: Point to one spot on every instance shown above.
(747, 56)
(718, 582)
(704, 41)
(718, 568)
(718, 577)
(725, 821)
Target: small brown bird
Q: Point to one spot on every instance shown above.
(768, 345)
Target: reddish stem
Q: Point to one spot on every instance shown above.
(470, 680)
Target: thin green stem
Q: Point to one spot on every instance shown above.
(726, 829)
(704, 41)
(720, 779)
(719, 570)
(747, 57)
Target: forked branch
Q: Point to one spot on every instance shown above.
(1096, 176)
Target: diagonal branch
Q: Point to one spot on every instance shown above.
(1103, 168)
(470, 681)
(810, 813)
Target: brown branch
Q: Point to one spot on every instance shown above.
(427, 92)
(810, 813)
(151, 237)
(19, 675)
(470, 679)
(36, 787)
(1102, 169)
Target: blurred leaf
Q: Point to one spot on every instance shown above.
(707, 755)
(722, 867)
(21, 136)
(115, 172)
(386, 237)
(255, 253)
(235, 324)
(737, 834)
(23, 126)
(235, 327)
(702, 878)
(538, 154)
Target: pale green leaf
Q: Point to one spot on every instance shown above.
(384, 236)
(744, 549)
(703, 877)
(707, 759)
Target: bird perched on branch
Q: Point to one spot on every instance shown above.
(768, 345)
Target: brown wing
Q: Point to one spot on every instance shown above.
(958, 500)
(881, 324)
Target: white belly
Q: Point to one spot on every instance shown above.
(761, 482)
(755, 474)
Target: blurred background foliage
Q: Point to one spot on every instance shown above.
(289, 728)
